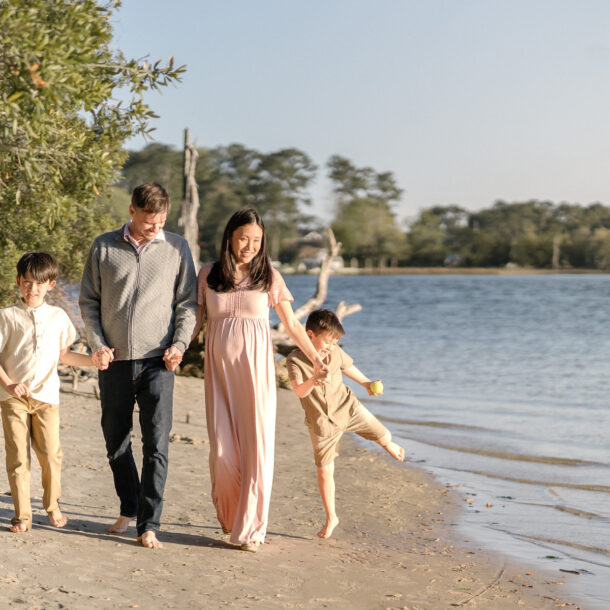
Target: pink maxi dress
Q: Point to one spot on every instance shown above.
(240, 402)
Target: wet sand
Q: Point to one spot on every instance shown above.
(396, 545)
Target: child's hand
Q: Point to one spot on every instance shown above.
(321, 377)
(103, 357)
(172, 358)
(18, 389)
(374, 388)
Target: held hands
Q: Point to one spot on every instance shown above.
(321, 377)
(103, 357)
(172, 357)
(321, 373)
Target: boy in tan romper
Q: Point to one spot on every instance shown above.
(330, 406)
(34, 336)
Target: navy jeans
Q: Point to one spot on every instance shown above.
(151, 385)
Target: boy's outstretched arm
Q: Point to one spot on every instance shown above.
(303, 388)
(75, 358)
(358, 376)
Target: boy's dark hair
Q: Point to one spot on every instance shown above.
(41, 265)
(222, 275)
(150, 197)
(321, 320)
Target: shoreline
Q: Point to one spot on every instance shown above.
(396, 545)
(449, 271)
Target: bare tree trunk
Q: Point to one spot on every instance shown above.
(280, 338)
(556, 250)
(190, 199)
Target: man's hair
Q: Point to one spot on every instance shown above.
(41, 265)
(321, 320)
(151, 197)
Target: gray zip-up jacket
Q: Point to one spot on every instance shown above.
(138, 304)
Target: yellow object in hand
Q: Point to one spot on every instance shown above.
(377, 387)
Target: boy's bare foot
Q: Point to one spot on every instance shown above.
(18, 528)
(57, 519)
(120, 525)
(396, 451)
(149, 540)
(328, 528)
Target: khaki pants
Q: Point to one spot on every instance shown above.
(26, 420)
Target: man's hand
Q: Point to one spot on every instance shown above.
(172, 357)
(103, 357)
(18, 389)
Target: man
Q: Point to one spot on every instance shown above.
(138, 302)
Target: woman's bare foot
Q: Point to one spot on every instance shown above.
(251, 547)
(396, 451)
(328, 528)
(57, 519)
(149, 540)
(120, 525)
(18, 528)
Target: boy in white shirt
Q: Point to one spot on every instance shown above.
(34, 336)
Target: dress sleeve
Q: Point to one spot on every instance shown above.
(278, 291)
(202, 282)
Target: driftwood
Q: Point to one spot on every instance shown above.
(190, 199)
(281, 340)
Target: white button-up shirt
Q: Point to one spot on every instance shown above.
(31, 340)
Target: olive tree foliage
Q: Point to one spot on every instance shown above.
(62, 126)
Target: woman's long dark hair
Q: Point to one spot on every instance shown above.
(222, 275)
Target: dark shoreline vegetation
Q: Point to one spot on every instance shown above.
(453, 271)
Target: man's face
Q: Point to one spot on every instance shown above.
(145, 226)
(32, 291)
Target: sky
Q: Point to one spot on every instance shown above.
(465, 101)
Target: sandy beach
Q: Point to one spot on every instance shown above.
(396, 545)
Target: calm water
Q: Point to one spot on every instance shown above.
(498, 385)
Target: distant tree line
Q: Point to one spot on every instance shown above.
(537, 234)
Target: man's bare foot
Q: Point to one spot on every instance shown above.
(120, 525)
(149, 540)
(18, 528)
(328, 528)
(57, 519)
(396, 451)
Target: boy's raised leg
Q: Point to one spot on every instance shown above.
(396, 451)
(326, 483)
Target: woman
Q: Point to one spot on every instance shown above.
(240, 397)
